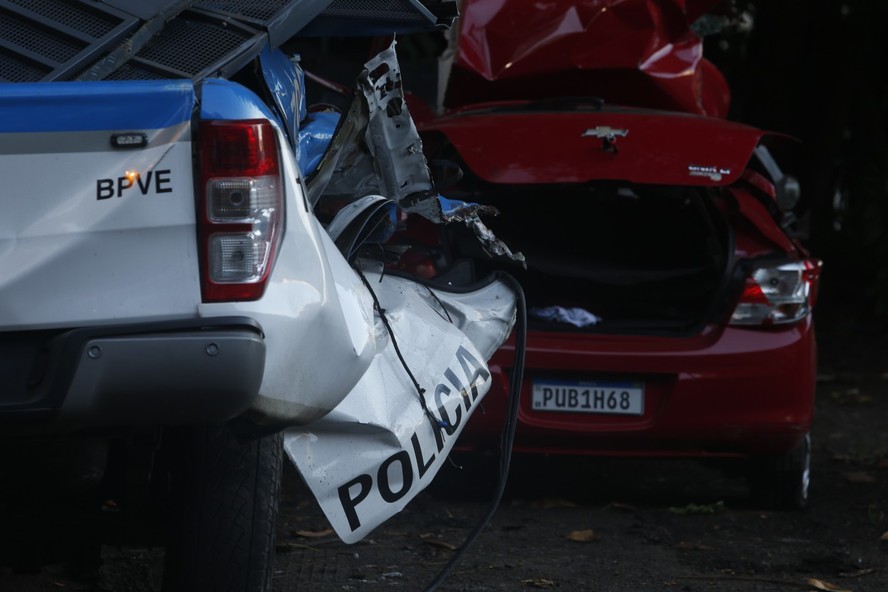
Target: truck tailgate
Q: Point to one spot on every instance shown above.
(98, 203)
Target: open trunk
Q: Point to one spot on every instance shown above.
(621, 212)
(640, 258)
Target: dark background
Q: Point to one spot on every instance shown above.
(819, 71)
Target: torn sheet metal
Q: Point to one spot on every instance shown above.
(377, 150)
(442, 210)
(387, 439)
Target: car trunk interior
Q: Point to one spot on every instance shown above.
(641, 258)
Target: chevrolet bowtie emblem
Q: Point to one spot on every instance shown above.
(607, 135)
(605, 132)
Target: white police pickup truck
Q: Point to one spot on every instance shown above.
(173, 315)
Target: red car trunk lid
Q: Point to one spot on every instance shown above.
(520, 143)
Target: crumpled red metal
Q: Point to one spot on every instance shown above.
(631, 52)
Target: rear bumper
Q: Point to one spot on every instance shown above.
(730, 393)
(194, 371)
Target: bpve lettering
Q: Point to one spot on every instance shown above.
(155, 182)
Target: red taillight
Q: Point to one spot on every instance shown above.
(241, 207)
(778, 294)
(752, 293)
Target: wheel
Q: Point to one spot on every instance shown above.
(224, 497)
(782, 482)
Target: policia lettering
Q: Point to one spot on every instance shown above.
(159, 181)
(402, 463)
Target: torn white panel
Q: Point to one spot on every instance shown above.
(384, 443)
(391, 134)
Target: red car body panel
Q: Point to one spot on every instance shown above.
(723, 393)
(659, 147)
(647, 146)
(714, 390)
(634, 52)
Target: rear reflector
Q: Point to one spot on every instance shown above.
(241, 210)
(778, 294)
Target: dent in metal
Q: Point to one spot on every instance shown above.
(286, 84)
(314, 137)
(386, 440)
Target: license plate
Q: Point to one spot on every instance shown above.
(614, 397)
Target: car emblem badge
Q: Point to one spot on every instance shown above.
(608, 136)
(714, 173)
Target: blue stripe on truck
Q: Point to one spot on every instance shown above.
(84, 106)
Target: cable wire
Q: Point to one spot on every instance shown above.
(508, 433)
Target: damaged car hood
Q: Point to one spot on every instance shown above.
(525, 142)
(632, 52)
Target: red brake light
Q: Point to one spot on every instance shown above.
(241, 207)
(752, 293)
(778, 294)
(240, 148)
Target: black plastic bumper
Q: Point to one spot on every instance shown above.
(195, 371)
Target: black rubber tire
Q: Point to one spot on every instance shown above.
(782, 482)
(225, 496)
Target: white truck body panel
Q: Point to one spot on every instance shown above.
(68, 259)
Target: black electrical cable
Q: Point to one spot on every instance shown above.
(420, 392)
(508, 434)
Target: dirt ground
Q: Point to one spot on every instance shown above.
(637, 526)
(607, 525)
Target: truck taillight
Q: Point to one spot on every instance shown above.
(241, 207)
(778, 294)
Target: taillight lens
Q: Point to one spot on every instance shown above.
(241, 210)
(778, 294)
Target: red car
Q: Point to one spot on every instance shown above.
(669, 302)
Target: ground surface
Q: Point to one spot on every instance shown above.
(636, 527)
(643, 525)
